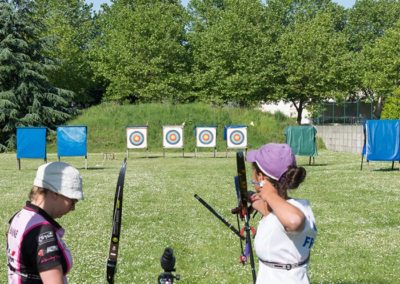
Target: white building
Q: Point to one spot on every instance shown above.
(287, 109)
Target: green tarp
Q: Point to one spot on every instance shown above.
(302, 140)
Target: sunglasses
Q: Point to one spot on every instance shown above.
(73, 201)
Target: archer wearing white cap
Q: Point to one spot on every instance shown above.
(287, 230)
(36, 252)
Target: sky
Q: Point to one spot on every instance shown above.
(97, 3)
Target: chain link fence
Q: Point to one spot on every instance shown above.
(345, 113)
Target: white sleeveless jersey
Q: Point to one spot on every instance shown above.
(273, 244)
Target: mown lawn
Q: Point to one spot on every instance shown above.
(357, 217)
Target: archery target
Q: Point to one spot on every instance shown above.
(173, 136)
(206, 137)
(136, 137)
(237, 137)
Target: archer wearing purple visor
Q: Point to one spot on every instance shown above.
(287, 229)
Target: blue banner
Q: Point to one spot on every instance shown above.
(382, 140)
(72, 141)
(31, 142)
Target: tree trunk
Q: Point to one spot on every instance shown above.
(378, 109)
(299, 115)
(299, 109)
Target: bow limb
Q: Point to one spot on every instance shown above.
(243, 206)
(116, 226)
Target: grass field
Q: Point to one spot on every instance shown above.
(357, 216)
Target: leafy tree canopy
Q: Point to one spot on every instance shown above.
(315, 63)
(69, 27)
(142, 51)
(232, 58)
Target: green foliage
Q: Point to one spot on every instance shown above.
(315, 64)
(106, 124)
(391, 109)
(142, 51)
(373, 30)
(357, 216)
(368, 20)
(231, 53)
(69, 26)
(26, 96)
(382, 68)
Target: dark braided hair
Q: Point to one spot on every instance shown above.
(291, 179)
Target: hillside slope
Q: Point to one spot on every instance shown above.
(107, 122)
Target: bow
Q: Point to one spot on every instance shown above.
(242, 211)
(116, 226)
(216, 214)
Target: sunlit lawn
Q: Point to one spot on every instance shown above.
(357, 217)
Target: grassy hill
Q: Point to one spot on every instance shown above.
(107, 122)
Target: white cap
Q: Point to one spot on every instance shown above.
(61, 178)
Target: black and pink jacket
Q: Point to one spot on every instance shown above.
(34, 244)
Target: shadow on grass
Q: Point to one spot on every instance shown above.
(387, 170)
(313, 165)
(93, 168)
(361, 281)
(144, 157)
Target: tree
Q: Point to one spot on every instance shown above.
(391, 109)
(142, 51)
(69, 26)
(231, 51)
(368, 21)
(315, 64)
(382, 70)
(26, 96)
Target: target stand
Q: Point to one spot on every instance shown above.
(136, 138)
(173, 138)
(236, 138)
(206, 137)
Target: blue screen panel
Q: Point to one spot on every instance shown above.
(31, 142)
(382, 140)
(72, 141)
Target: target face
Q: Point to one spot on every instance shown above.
(237, 137)
(136, 137)
(206, 136)
(173, 136)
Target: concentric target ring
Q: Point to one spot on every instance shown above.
(173, 137)
(136, 138)
(237, 137)
(206, 137)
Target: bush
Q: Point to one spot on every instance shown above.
(391, 109)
